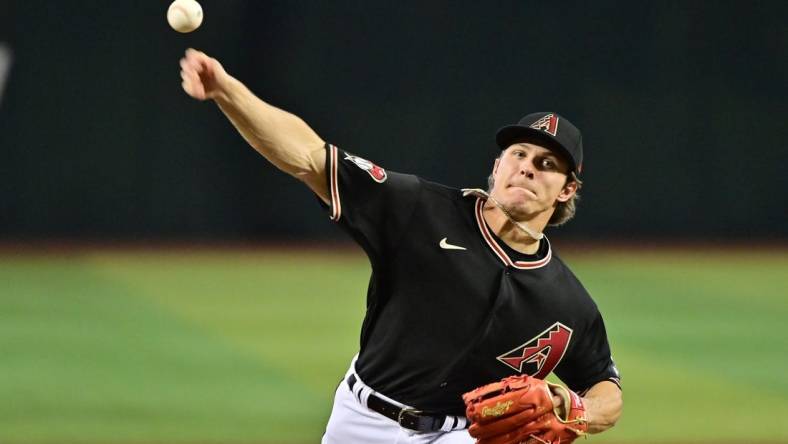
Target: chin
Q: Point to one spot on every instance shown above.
(521, 207)
(523, 211)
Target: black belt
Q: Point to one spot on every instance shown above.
(405, 416)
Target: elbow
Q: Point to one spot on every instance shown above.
(311, 171)
(608, 422)
(300, 160)
(309, 166)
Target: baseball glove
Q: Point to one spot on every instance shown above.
(519, 410)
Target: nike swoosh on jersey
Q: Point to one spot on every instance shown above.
(447, 246)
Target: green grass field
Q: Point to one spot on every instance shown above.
(247, 347)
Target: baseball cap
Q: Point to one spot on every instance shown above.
(549, 127)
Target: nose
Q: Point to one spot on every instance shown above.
(526, 171)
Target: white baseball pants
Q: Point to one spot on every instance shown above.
(351, 422)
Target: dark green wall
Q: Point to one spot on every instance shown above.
(683, 104)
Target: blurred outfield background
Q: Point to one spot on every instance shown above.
(150, 346)
(125, 318)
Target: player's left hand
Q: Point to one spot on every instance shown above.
(522, 409)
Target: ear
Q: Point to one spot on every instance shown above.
(495, 166)
(569, 190)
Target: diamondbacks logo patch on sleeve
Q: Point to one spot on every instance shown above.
(539, 356)
(375, 172)
(548, 124)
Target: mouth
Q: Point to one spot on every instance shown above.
(529, 192)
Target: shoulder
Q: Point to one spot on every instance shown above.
(570, 284)
(439, 190)
(437, 197)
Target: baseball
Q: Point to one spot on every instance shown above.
(184, 15)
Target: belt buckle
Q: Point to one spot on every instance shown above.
(408, 411)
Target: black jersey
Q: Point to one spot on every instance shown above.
(450, 306)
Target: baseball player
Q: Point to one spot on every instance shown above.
(465, 288)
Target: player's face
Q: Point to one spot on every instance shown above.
(530, 179)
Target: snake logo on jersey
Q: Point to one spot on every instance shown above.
(539, 356)
(376, 172)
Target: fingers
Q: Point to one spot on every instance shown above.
(197, 60)
(202, 76)
(193, 65)
(192, 85)
(194, 52)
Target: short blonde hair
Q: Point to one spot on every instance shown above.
(564, 211)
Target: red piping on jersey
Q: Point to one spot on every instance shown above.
(500, 252)
(336, 205)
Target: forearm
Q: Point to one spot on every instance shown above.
(282, 138)
(603, 403)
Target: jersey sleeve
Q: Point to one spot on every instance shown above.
(589, 361)
(372, 204)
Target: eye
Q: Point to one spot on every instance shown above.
(548, 164)
(519, 154)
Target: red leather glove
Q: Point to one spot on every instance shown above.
(519, 409)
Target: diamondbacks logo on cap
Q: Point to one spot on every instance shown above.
(377, 173)
(548, 124)
(539, 356)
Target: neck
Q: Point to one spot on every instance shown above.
(508, 232)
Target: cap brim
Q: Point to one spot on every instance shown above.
(511, 134)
